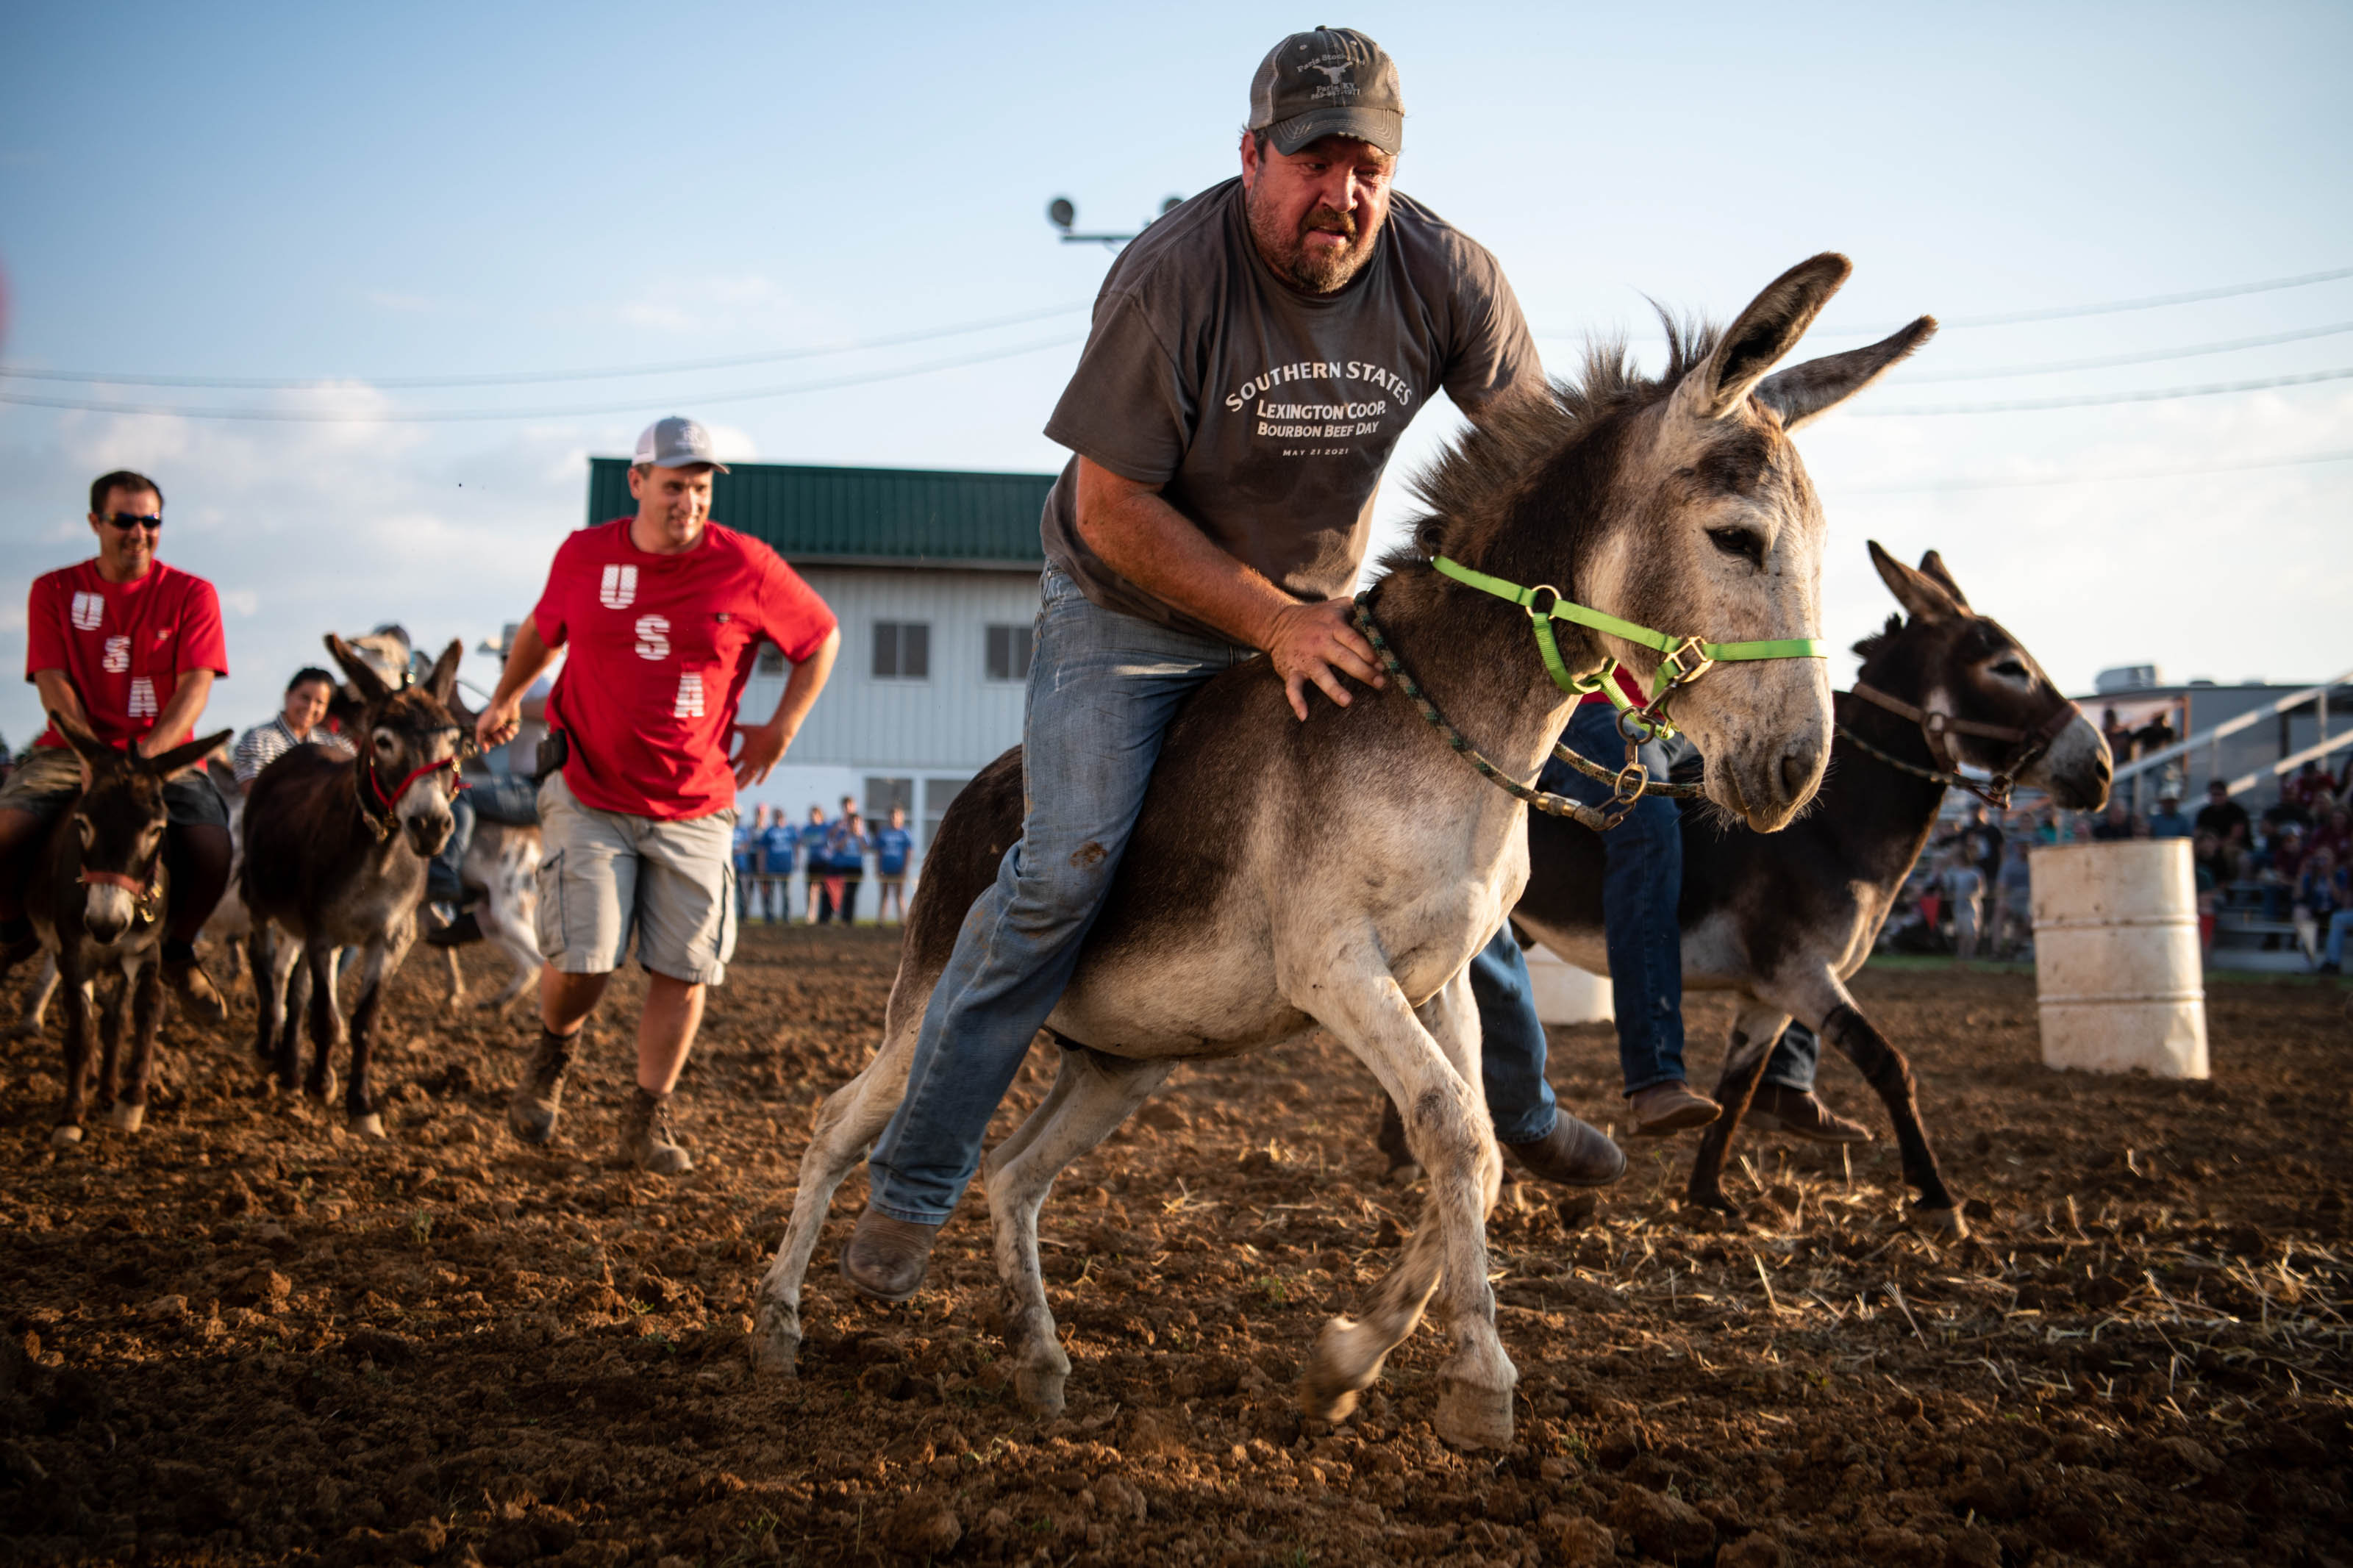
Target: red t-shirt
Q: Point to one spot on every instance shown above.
(1626, 683)
(123, 645)
(660, 648)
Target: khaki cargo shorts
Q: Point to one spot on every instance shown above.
(606, 875)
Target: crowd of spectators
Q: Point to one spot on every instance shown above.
(831, 855)
(1972, 890)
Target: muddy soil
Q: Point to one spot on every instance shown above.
(241, 1335)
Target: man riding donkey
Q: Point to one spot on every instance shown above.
(1254, 358)
(128, 648)
(662, 615)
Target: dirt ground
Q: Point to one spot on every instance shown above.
(242, 1335)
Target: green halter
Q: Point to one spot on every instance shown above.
(1686, 658)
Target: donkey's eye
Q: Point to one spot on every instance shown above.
(2010, 668)
(1744, 542)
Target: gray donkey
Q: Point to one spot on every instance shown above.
(1356, 865)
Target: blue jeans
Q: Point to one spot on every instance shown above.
(1642, 880)
(1511, 1042)
(1103, 687)
(509, 798)
(2339, 923)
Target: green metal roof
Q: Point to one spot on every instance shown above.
(863, 517)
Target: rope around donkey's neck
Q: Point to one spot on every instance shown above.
(1542, 800)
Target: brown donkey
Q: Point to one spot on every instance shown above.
(334, 857)
(1783, 921)
(97, 897)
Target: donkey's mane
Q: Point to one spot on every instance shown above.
(1469, 488)
(1872, 645)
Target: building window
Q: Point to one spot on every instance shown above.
(937, 794)
(772, 659)
(902, 650)
(884, 794)
(1008, 653)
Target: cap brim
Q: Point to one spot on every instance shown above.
(1384, 128)
(690, 463)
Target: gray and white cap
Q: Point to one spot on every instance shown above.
(1332, 81)
(676, 442)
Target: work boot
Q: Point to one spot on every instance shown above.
(199, 998)
(1665, 1108)
(539, 1097)
(886, 1257)
(1796, 1112)
(460, 932)
(647, 1141)
(1573, 1154)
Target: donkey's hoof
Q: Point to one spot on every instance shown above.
(1471, 1417)
(65, 1137)
(1320, 1401)
(129, 1117)
(1945, 1221)
(776, 1342)
(321, 1087)
(370, 1125)
(1040, 1389)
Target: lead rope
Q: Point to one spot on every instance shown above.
(1542, 800)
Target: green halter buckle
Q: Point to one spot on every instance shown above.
(1682, 661)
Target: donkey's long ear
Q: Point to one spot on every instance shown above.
(170, 764)
(1933, 565)
(1761, 335)
(1819, 385)
(1923, 597)
(363, 674)
(85, 746)
(442, 682)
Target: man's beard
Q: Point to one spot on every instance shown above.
(1319, 269)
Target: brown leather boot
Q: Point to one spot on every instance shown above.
(886, 1257)
(1796, 1112)
(539, 1097)
(1573, 1154)
(1665, 1108)
(647, 1141)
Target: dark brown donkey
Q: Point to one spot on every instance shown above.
(334, 856)
(97, 900)
(1785, 918)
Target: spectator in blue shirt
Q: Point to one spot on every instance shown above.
(2167, 821)
(777, 841)
(846, 843)
(816, 865)
(746, 850)
(893, 845)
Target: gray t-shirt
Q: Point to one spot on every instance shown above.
(1265, 413)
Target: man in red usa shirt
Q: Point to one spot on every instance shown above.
(661, 616)
(128, 648)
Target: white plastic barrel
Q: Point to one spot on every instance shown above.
(1563, 994)
(2116, 971)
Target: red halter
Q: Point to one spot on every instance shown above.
(388, 801)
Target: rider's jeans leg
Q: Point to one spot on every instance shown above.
(1102, 690)
(443, 884)
(509, 798)
(1795, 1058)
(1642, 880)
(1511, 1042)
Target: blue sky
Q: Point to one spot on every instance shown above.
(429, 191)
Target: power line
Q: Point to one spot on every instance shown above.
(2061, 313)
(412, 416)
(2027, 404)
(2108, 362)
(1963, 484)
(525, 378)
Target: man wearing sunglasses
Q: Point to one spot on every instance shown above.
(128, 648)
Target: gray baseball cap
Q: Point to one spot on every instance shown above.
(1332, 81)
(676, 442)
